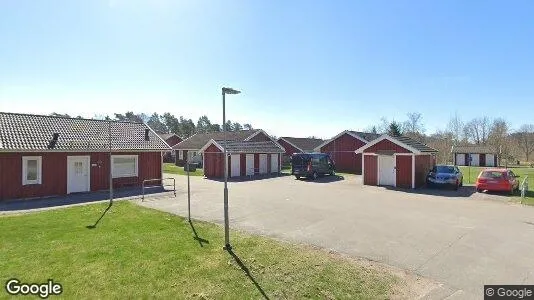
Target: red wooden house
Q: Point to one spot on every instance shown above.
(342, 149)
(396, 161)
(297, 145)
(256, 154)
(45, 156)
(171, 139)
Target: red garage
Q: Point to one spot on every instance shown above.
(341, 149)
(244, 158)
(396, 161)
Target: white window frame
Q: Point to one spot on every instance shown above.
(25, 160)
(180, 154)
(136, 173)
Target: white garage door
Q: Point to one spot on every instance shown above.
(250, 164)
(475, 159)
(490, 160)
(386, 170)
(263, 163)
(460, 159)
(274, 163)
(236, 165)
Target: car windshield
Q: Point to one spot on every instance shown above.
(444, 169)
(492, 174)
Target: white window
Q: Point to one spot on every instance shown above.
(31, 170)
(180, 154)
(124, 166)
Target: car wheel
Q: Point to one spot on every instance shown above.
(297, 176)
(332, 173)
(315, 175)
(462, 182)
(456, 186)
(479, 191)
(512, 190)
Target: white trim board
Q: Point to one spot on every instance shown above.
(391, 139)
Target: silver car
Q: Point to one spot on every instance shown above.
(446, 176)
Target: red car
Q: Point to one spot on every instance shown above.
(498, 180)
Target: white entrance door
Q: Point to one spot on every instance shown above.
(490, 160)
(236, 165)
(263, 163)
(475, 159)
(460, 159)
(78, 174)
(274, 163)
(250, 164)
(386, 169)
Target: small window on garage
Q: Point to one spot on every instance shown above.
(31, 170)
(124, 166)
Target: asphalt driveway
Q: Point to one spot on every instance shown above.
(459, 238)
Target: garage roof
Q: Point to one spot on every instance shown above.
(303, 144)
(473, 149)
(246, 146)
(25, 132)
(406, 142)
(198, 140)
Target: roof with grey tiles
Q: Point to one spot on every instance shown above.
(368, 136)
(473, 149)
(414, 144)
(251, 147)
(25, 132)
(198, 140)
(304, 144)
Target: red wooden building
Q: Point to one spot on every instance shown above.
(47, 156)
(396, 161)
(171, 139)
(342, 149)
(246, 158)
(297, 145)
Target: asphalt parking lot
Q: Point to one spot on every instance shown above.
(458, 238)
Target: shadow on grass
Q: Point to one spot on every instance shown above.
(247, 272)
(101, 216)
(200, 240)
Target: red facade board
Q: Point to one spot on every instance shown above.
(341, 150)
(423, 165)
(54, 173)
(213, 162)
(404, 171)
(386, 145)
(370, 177)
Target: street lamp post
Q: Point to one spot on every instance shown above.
(227, 245)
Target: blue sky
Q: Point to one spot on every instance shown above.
(305, 67)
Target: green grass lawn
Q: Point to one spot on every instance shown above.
(135, 252)
(173, 169)
(471, 174)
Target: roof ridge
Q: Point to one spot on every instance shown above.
(69, 118)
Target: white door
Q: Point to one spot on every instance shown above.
(490, 160)
(386, 170)
(236, 165)
(78, 174)
(250, 164)
(460, 159)
(263, 163)
(475, 159)
(274, 163)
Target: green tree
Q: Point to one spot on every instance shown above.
(394, 129)
(156, 122)
(203, 125)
